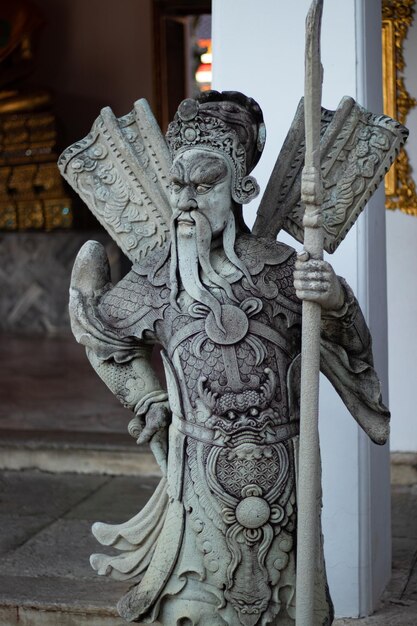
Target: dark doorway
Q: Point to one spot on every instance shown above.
(182, 32)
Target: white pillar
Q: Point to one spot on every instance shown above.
(259, 49)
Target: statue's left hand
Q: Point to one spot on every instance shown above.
(316, 281)
(157, 418)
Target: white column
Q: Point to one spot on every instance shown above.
(259, 50)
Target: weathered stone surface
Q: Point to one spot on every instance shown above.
(34, 558)
(52, 593)
(16, 616)
(406, 500)
(45, 578)
(81, 453)
(395, 615)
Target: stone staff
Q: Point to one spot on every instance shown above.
(309, 454)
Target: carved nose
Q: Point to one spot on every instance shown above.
(189, 205)
(187, 200)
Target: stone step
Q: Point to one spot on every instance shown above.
(404, 468)
(115, 454)
(52, 601)
(45, 543)
(82, 452)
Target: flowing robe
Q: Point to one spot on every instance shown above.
(216, 543)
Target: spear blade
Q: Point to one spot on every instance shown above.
(313, 84)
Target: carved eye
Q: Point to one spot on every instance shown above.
(176, 186)
(203, 188)
(231, 415)
(253, 411)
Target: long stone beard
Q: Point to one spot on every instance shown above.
(191, 265)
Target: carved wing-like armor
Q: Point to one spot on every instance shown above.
(357, 149)
(120, 170)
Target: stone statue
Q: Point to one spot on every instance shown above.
(215, 545)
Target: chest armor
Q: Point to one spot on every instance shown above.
(231, 419)
(232, 388)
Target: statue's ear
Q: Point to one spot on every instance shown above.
(246, 191)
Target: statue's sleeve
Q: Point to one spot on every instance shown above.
(122, 361)
(133, 381)
(347, 361)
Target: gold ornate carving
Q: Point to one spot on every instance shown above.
(397, 17)
(32, 195)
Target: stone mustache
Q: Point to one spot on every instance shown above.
(215, 545)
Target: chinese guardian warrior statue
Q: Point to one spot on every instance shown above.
(215, 545)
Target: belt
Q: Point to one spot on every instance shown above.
(282, 432)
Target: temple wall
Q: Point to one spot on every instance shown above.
(35, 271)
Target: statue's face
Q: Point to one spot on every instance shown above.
(201, 181)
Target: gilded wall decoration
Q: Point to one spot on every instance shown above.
(397, 18)
(32, 196)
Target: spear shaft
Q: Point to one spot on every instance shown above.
(308, 488)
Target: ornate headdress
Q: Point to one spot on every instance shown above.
(226, 122)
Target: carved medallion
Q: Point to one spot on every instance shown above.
(235, 324)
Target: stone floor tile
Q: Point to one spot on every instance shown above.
(397, 583)
(403, 551)
(56, 556)
(116, 501)
(39, 493)
(390, 615)
(15, 530)
(62, 549)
